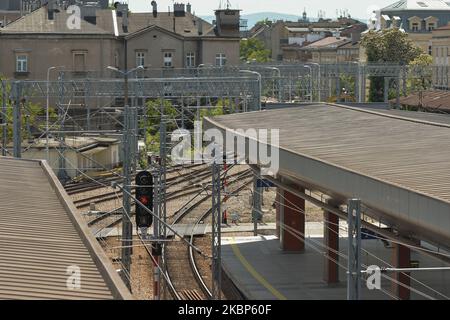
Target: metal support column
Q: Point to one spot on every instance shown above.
(386, 89)
(135, 135)
(162, 177)
(354, 250)
(17, 120)
(405, 81)
(256, 208)
(363, 84)
(4, 119)
(358, 84)
(338, 85)
(216, 231)
(397, 101)
(156, 230)
(183, 125)
(62, 173)
(127, 226)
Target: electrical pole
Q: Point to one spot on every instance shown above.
(227, 195)
(127, 227)
(354, 250)
(62, 173)
(156, 235)
(256, 210)
(216, 228)
(17, 120)
(162, 178)
(4, 119)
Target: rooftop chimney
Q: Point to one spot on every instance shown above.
(189, 8)
(200, 27)
(179, 9)
(155, 9)
(51, 8)
(122, 11)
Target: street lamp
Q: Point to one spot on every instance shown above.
(259, 81)
(47, 115)
(202, 65)
(279, 80)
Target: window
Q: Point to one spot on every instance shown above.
(140, 59)
(415, 27)
(190, 60)
(79, 62)
(168, 59)
(431, 26)
(430, 50)
(221, 59)
(22, 63)
(116, 60)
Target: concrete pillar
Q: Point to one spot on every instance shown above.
(401, 259)
(292, 217)
(331, 242)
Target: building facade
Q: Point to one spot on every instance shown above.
(178, 39)
(417, 18)
(286, 39)
(441, 52)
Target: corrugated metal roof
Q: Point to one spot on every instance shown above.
(401, 152)
(399, 166)
(41, 235)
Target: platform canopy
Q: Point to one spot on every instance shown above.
(399, 166)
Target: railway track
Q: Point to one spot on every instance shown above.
(184, 276)
(194, 186)
(80, 187)
(187, 282)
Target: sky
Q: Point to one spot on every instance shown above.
(358, 9)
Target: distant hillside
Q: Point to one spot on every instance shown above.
(253, 18)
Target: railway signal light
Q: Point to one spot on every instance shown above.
(144, 194)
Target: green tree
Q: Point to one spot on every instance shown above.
(155, 108)
(421, 65)
(264, 22)
(388, 46)
(31, 115)
(254, 50)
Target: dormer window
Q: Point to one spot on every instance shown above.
(431, 23)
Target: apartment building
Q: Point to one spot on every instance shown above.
(286, 39)
(48, 37)
(418, 18)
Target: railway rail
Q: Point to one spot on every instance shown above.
(80, 187)
(188, 283)
(194, 213)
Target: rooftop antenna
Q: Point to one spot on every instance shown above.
(228, 4)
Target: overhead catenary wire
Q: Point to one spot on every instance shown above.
(302, 211)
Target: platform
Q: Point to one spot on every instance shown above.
(260, 270)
